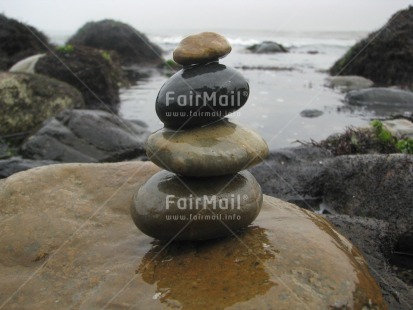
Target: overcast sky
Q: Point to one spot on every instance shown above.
(149, 15)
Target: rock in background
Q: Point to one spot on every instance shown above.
(377, 97)
(18, 41)
(93, 72)
(375, 186)
(26, 100)
(86, 136)
(16, 164)
(294, 175)
(388, 59)
(267, 47)
(132, 46)
(372, 185)
(91, 61)
(368, 197)
(31, 103)
(400, 128)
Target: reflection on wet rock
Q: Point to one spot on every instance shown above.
(289, 259)
(213, 274)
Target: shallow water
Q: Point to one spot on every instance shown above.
(273, 108)
(291, 83)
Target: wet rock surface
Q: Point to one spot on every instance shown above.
(86, 136)
(196, 208)
(200, 94)
(289, 257)
(215, 149)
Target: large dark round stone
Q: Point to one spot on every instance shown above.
(201, 94)
(180, 208)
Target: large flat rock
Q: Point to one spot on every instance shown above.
(67, 241)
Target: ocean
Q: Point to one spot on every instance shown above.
(281, 85)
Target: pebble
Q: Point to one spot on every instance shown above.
(201, 48)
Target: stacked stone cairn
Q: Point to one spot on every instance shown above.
(205, 191)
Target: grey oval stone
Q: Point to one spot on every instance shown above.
(311, 113)
(171, 207)
(380, 96)
(216, 149)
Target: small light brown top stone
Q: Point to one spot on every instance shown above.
(201, 48)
